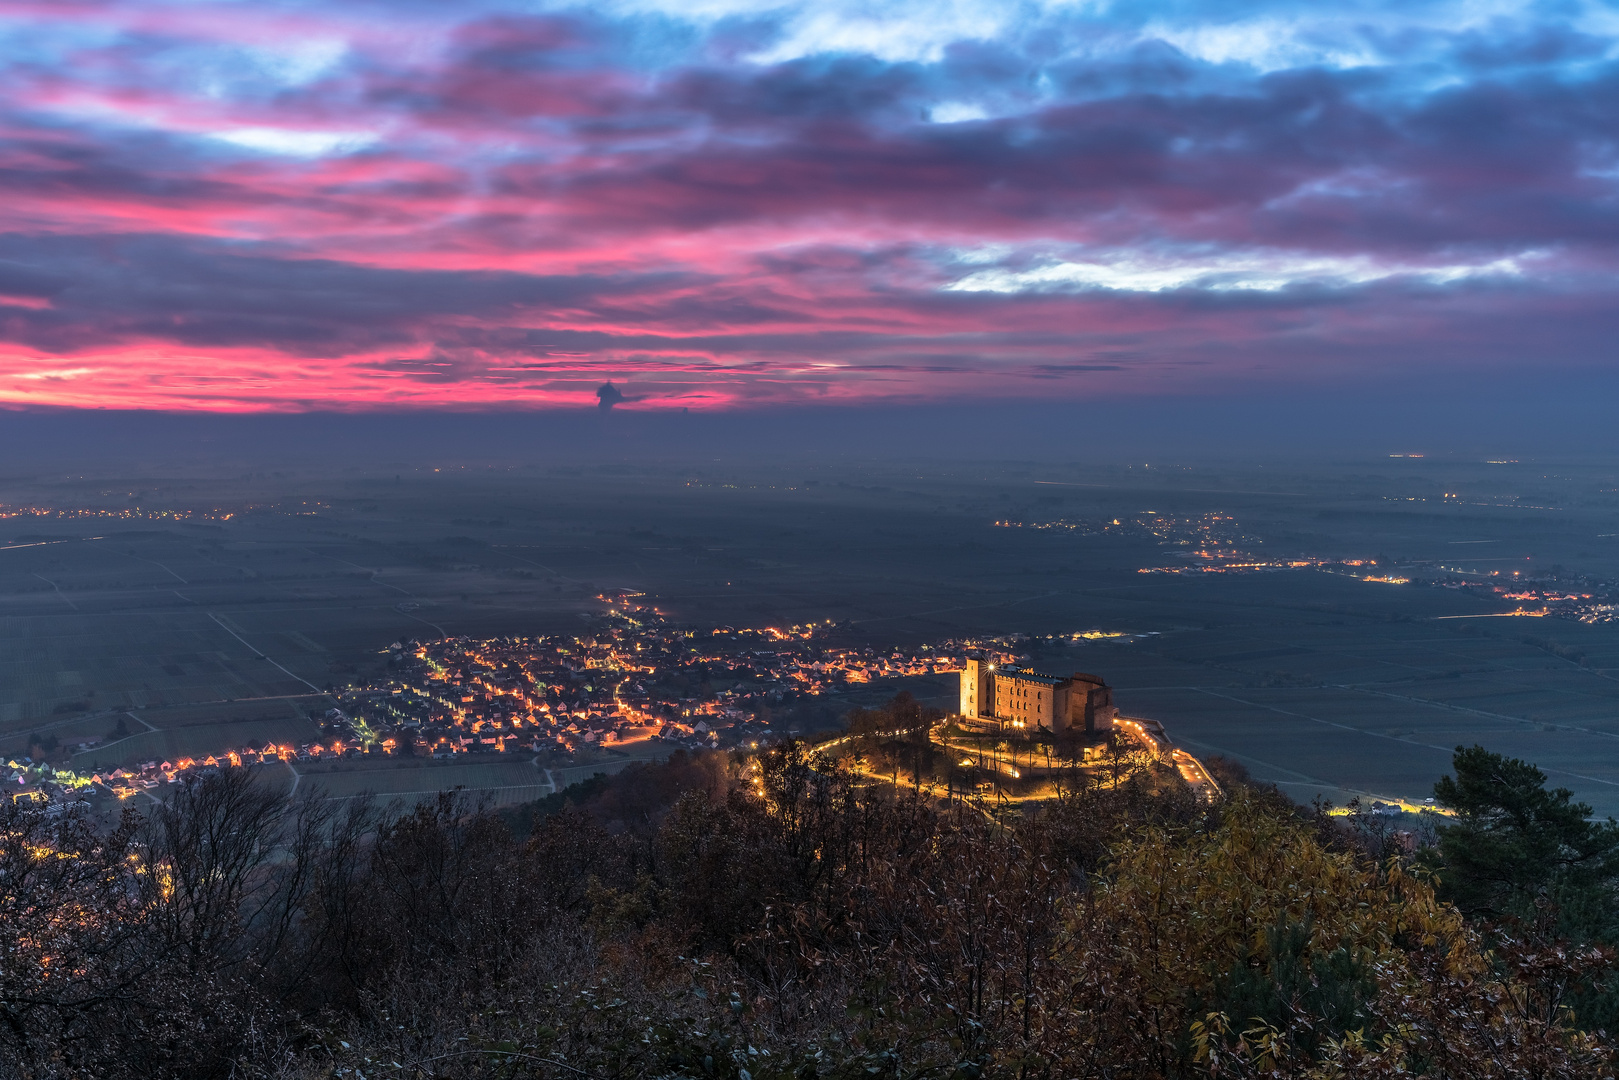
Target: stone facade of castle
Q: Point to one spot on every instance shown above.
(1016, 698)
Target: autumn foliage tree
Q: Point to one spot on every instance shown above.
(772, 917)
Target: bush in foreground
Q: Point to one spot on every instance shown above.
(777, 919)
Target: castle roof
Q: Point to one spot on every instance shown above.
(1010, 672)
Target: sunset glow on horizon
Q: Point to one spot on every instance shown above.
(218, 205)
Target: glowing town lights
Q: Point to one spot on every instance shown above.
(611, 685)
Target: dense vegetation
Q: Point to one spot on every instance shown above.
(771, 917)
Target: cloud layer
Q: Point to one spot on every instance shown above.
(224, 205)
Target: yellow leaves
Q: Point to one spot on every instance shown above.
(1184, 907)
(1220, 892)
(1354, 969)
(1262, 1047)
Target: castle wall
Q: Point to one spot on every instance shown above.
(1025, 699)
(1028, 700)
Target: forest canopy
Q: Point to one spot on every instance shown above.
(775, 915)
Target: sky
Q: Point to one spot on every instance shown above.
(222, 206)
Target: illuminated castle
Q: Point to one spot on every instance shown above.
(1014, 698)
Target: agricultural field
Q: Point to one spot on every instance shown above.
(230, 619)
(1342, 707)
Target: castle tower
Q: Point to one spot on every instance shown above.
(1092, 703)
(978, 690)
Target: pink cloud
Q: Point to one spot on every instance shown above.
(525, 207)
